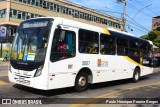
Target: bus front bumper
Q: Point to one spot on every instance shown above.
(30, 82)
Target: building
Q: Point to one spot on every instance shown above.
(155, 22)
(12, 12)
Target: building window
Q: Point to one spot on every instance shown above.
(24, 1)
(14, 14)
(3, 13)
(51, 6)
(29, 2)
(69, 11)
(88, 42)
(33, 2)
(22, 15)
(95, 19)
(37, 3)
(81, 15)
(105, 22)
(110, 23)
(55, 7)
(19, 15)
(64, 10)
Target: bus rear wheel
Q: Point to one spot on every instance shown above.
(136, 75)
(81, 82)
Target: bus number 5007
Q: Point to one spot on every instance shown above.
(85, 62)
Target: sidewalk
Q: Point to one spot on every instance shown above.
(6, 63)
(157, 69)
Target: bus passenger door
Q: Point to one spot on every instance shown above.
(63, 52)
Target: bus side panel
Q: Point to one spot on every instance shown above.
(106, 68)
(62, 73)
(146, 71)
(125, 68)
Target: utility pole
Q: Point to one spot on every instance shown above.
(124, 13)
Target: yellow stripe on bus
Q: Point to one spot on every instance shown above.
(106, 31)
(134, 62)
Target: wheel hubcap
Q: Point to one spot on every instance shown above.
(136, 76)
(82, 81)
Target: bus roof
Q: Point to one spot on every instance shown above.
(112, 31)
(127, 36)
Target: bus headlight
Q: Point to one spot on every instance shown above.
(38, 72)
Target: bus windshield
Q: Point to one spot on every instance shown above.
(30, 43)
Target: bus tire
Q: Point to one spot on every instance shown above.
(136, 75)
(81, 82)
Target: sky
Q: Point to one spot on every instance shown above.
(139, 13)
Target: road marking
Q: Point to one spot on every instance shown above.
(84, 102)
(3, 83)
(3, 75)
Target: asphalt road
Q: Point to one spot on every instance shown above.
(147, 87)
(3, 68)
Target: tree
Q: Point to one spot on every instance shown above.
(153, 36)
(145, 37)
(158, 28)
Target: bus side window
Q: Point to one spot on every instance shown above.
(107, 44)
(88, 42)
(134, 48)
(122, 47)
(63, 45)
(144, 49)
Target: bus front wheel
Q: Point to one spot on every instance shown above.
(81, 82)
(136, 75)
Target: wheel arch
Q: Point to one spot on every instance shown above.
(88, 71)
(139, 69)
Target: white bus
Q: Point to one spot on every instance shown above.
(51, 53)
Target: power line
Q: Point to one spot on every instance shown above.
(131, 27)
(138, 23)
(147, 8)
(135, 8)
(137, 29)
(135, 25)
(104, 11)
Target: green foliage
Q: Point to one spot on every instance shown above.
(158, 28)
(144, 37)
(153, 36)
